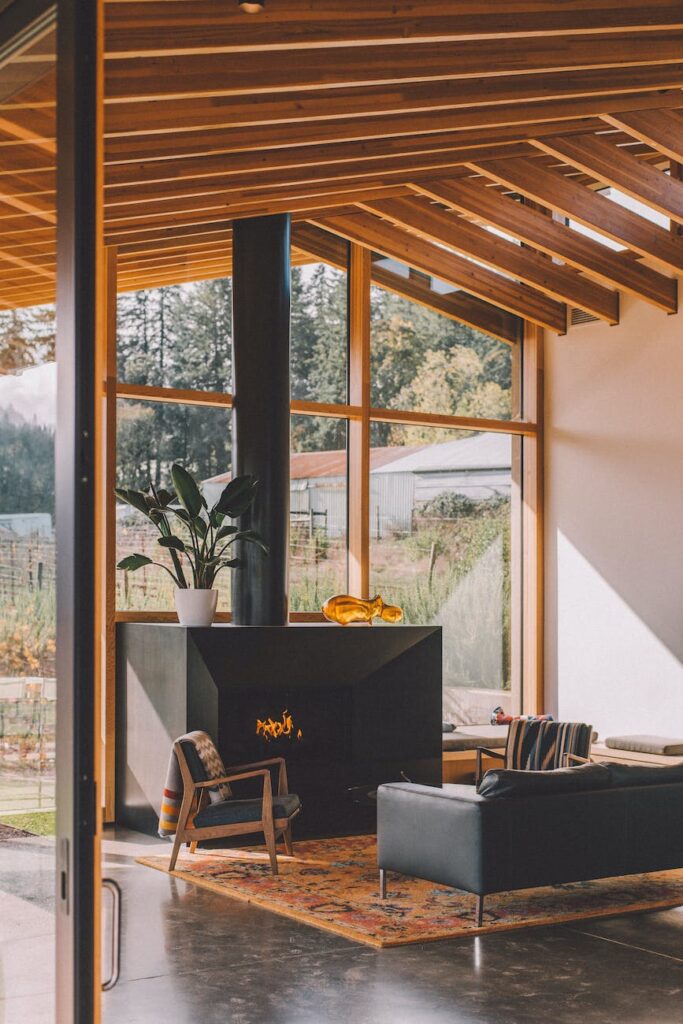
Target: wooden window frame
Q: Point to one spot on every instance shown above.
(527, 524)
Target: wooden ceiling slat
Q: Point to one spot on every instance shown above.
(661, 129)
(615, 166)
(421, 129)
(586, 207)
(149, 28)
(371, 232)
(550, 236)
(559, 282)
(133, 118)
(261, 161)
(151, 78)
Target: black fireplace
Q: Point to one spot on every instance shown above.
(349, 708)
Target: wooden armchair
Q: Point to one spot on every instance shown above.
(200, 819)
(534, 745)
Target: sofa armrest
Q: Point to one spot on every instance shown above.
(432, 833)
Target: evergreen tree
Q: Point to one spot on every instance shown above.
(27, 466)
(27, 338)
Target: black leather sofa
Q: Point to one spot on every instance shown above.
(528, 829)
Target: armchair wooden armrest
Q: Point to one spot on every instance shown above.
(212, 783)
(283, 785)
(569, 758)
(500, 754)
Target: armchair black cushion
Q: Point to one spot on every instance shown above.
(233, 812)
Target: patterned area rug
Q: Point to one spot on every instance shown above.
(332, 884)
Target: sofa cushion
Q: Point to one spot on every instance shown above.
(509, 782)
(647, 745)
(643, 774)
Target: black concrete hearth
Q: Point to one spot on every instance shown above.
(349, 708)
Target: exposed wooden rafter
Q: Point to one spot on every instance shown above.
(554, 238)
(572, 200)
(440, 226)
(599, 157)
(374, 233)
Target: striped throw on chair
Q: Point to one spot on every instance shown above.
(541, 745)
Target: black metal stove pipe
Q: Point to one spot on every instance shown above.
(260, 418)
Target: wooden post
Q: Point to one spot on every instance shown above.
(359, 429)
(533, 696)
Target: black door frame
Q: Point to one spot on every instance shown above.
(77, 265)
(21, 22)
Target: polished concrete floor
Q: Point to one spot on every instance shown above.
(191, 955)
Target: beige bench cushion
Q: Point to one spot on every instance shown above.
(647, 745)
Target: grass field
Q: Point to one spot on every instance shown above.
(38, 823)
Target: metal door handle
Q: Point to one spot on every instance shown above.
(115, 958)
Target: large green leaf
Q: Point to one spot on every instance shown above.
(131, 497)
(133, 562)
(164, 497)
(171, 542)
(225, 531)
(237, 496)
(187, 490)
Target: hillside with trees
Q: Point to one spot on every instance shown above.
(180, 337)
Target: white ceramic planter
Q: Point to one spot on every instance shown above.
(196, 607)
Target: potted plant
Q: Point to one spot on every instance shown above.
(200, 550)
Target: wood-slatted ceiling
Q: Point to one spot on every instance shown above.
(409, 127)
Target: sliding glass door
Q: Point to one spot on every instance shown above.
(49, 189)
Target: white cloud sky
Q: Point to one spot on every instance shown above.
(32, 393)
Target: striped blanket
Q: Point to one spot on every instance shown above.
(172, 797)
(540, 745)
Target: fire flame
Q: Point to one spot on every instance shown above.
(271, 730)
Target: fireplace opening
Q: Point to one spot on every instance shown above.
(275, 729)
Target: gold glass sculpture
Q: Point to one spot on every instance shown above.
(345, 609)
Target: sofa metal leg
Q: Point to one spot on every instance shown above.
(479, 912)
(382, 884)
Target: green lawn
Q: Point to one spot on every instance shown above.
(39, 823)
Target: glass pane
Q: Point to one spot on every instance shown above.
(27, 561)
(28, 687)
(151, 436)
(423, 360)
(440, 515)
(319, 340)
(318, 523)
(179, 336)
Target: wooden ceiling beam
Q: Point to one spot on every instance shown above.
(463, 308)
(589, 208)
(661, 129)
(599, 157)
(134, 118)
(153, 28)
(487, 205)
(438, 125)
(262, 161)
(440, 226)
(371, 232)
(155, 78)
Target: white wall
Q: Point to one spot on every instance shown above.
(614, 523)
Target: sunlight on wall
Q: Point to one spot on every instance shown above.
(615, 673)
